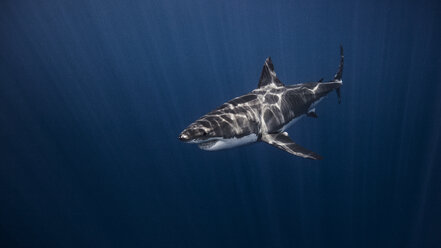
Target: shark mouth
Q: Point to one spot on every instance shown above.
(207, 145)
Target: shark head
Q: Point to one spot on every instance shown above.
(203, 135)
(214, 134)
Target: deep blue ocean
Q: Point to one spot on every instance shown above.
(93, 95)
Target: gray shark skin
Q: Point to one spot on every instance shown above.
(263, 114)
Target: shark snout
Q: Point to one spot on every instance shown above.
(183, 137)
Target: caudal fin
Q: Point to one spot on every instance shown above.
(338, 76)
(339, 73)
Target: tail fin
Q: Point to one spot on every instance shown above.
(338, 76)
(339, 73)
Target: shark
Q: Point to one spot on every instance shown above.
(264, 114)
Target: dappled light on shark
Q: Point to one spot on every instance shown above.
(263, 114)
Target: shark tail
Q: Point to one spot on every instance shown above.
(338, 76)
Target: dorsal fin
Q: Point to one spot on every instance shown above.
(268, 75)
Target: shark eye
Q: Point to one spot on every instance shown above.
(204, 133)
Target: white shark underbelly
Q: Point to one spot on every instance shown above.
(221, 144)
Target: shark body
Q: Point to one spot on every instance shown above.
(263, 114)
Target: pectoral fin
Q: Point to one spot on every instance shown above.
(285, 143)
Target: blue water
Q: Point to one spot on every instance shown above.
(94, 93)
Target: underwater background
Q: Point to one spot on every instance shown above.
(93, 95)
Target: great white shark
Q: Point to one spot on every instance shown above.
(263, 114)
